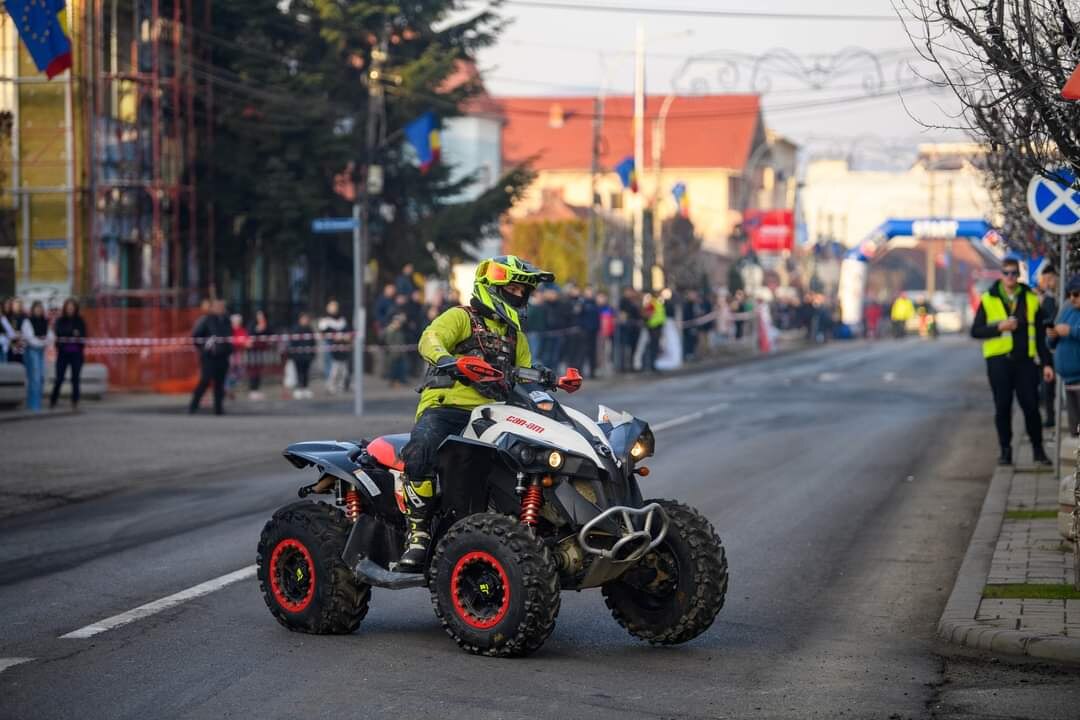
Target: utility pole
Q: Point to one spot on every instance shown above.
(639, 159)
(949, 239)
(361, 213)
(590, 249)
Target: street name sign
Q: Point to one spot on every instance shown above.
(334, 225)
(1054, 204)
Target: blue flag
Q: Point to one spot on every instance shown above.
(39, 27)
(627, 173)
(423, 134)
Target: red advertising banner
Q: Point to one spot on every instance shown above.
(770, 230)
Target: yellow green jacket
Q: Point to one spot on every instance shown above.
(903, 309)
(440, 338)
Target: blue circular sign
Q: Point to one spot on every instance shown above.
(1054, 204)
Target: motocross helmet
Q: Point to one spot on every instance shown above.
(490, 288)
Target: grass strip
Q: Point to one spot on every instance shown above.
(1031, 514)
(1031, 591)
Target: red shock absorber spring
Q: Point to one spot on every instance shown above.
(530, 504)
(352, 504)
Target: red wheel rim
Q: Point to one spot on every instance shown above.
(292, 575)
(479, 607)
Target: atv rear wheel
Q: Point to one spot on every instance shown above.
(673, 593)
(494, 586)
(303, 579)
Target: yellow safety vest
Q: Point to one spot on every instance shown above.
(995, 311)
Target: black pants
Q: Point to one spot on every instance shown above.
(652, 350)
(214, 369)
(302, 363)
(1021, 378)
(434, 426)
(63, 362)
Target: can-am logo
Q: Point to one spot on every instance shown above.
(525, 424)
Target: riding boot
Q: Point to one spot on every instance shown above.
(419, 507)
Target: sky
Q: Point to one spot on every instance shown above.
(856, 109)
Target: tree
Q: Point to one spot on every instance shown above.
(291, 94)
(682, 254)
(1006, 61)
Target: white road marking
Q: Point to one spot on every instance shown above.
(6, 663)
(684, 419)
(889, 377)
(164, 603)
(828, 377)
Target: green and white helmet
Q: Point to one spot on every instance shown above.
(492, 278)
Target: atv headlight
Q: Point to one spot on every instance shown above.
(555, 460)
(527, 455)
(638, 450)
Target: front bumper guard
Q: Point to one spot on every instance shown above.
(634, 543)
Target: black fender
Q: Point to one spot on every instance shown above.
(473, 475)
(342, 460)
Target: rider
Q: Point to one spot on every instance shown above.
(490, 327)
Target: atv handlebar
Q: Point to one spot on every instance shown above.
(476, 370)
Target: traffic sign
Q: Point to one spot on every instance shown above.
(334, 225)
(1054, 204)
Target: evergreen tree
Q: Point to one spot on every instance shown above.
(291, 94)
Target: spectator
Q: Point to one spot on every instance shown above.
(607, 316)
(1048, 285)
(326, 342)
(385, 307)
(573, 341)
(35, 335)
(397, 369)
(1064, 340)
(558, 321)
(332, 326)
(213, 341)
(301, 353)
(536, 323)
(70, 331)
(238, 361)
(406, 283)
(739, 305)
(13, 321)
(628, 330)
(260, 355)
(872, 315)
(589, 322)
(7, 332)
(655, 316)
(692, 310)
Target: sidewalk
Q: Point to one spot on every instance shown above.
(1014, 594)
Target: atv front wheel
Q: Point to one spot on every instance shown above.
(673, 593)
(494, 586)
(303, 579)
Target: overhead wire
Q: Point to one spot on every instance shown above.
(700, 12)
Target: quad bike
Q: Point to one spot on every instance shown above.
(534, 498)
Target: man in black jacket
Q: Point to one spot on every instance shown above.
(1048, 284)
(213, 340)
(1011, 325)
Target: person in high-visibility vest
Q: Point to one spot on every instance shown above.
(655, 316)
(1012, 327)
(902, 311)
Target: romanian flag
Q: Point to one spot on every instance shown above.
(627, 173)
(678, 191)
(38, 23)
(423, 134)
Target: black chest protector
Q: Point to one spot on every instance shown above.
(497, 349)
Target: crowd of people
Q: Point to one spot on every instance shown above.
(27, 335)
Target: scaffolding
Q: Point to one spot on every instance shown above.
(143, 130)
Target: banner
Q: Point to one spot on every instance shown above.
(770, 230)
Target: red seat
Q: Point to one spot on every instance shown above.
(387, 450)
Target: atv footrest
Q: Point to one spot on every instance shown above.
(370, 572)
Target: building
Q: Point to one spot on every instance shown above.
(717, 146)
(98, 183)
(845, 205)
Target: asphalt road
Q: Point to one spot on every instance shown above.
(844, 483)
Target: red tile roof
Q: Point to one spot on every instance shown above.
(703, 131)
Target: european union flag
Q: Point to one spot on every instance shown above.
(39, 27)
(423, 134)
(627, 173)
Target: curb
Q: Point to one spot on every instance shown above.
(958, 624)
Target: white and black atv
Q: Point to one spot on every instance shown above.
(535, 498)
